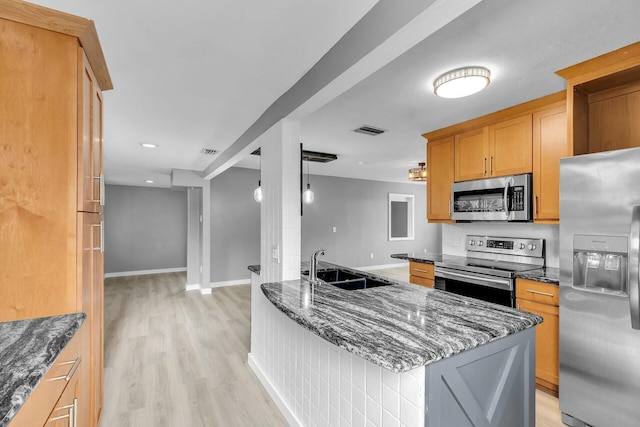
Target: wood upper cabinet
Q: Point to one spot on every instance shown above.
(510, 149)
(472, 154)
(440, 161)
(90, 174)
(51, 145)
(543, 299)
(549, 146)
(499, 149)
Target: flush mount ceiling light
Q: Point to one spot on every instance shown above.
(148, 181)
(419, 173)
(461, 82)
(147, 145)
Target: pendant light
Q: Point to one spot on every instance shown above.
(308, 196)
(257, 193)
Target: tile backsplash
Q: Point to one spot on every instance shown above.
(453, 236)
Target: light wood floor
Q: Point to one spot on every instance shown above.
(177, 358)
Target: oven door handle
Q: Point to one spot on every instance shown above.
(478, 280)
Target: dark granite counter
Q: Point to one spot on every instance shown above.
(427, 258)
(254, 269)
(28, 348)
(399, 327)
(546, 275)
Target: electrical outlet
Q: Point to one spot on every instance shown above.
(425, 251)
(371, 255)
(334, 229)
(275, 253)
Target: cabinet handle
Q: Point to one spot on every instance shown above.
(518, 306)
(491, 164)
(421, 271)
(72, 414)
(100, 198)
(484, 163)
(449, 206)
(71, 371)
(546, 294)
(535, 204)
(101, 247)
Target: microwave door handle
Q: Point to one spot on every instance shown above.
(634, 268)
(505, 198)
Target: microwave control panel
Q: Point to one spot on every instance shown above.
(517, 198)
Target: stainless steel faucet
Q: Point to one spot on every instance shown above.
(313, 267)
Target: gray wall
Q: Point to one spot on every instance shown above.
(359, 211)
(235, 227)
(145, 228)
(357, 208)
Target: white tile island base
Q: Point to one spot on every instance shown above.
(316, 383)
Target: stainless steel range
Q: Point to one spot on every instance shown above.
(489, 269)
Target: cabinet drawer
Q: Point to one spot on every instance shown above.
(421, 269)
(41, 402)
(416, 280)
(544, 293)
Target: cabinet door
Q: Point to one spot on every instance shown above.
(440, 165)
(37, 172)
(510, 147)
(90, 178)
(472, 155)
(549, 146)
(546, 342)
(94, 225)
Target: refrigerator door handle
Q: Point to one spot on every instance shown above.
(634, 268)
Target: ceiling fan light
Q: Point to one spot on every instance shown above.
(462, 82)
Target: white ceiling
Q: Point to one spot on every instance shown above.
(194, 74)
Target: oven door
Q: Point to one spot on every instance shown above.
(497, 290)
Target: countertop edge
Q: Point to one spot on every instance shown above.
(29, 380)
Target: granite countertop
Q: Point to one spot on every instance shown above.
(28, 348)
(427, 258)
(399, 327)
(546, 275)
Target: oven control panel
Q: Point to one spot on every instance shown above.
(506, 245)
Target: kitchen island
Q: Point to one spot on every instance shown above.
(391, 355)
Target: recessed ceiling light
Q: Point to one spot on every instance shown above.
(147, 145)
(461, 82)
(149, 181)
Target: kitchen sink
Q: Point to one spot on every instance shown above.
(348, 280)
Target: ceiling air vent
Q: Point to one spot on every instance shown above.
(370, 130)
(208, 151)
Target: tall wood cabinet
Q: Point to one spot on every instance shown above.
(51, 185)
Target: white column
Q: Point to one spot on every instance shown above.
(194, 253)
(280, 222)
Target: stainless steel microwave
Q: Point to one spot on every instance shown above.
(506, 198)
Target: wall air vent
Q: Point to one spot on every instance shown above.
(370, 130)
(208, 151)
(311, 156)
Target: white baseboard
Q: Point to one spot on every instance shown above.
(230, 283)
(275, 396)
(143, 272)
(192, 287)
(381, 267)
(205, 291)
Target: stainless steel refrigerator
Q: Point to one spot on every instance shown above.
(599, 297)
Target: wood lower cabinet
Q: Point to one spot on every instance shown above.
(549, 146)
(543, 299)
(51, 185)
(440, 175)
(421, 273)
(57, 400)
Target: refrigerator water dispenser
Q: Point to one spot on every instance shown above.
(600, 264)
